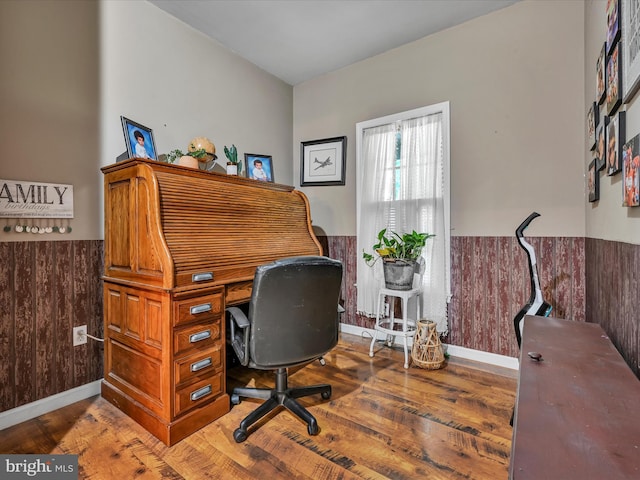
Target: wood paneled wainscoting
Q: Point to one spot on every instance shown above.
(47, 288)
(490, 283)
(613, 294)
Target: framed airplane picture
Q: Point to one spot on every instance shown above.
(322, 162)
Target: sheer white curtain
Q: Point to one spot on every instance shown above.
(406, 192)
(378, 148)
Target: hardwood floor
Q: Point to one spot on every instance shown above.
(382, 421)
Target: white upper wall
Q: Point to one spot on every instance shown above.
(515, 80)
(607, 219)
(165, 75)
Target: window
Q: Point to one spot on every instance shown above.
(403, 185)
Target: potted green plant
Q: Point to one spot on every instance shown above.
(399, 254)
(233, 165)
(190, 159)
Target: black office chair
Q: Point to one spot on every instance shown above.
(292, 320)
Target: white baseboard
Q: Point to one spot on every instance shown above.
(453, 350)
(40, 407)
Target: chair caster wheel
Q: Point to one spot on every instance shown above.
(239, 435)
(326, 395)
(235, 399)
(313, 429)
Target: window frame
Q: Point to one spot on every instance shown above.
(442, 108)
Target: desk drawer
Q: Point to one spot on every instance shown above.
(198, 309)
(239, 292)
(197, 366)
(201, 392)
(196, 337)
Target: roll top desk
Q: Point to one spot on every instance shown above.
(181, 245)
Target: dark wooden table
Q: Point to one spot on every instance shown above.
(578, 409)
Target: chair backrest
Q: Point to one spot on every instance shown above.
(294, 311)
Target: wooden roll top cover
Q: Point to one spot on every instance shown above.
(171, 226)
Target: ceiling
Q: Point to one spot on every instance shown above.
(296, 40)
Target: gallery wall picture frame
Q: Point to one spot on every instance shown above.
(592, 123)
(322, 162)
(613, 24)
(139, 139)
(631, 173)
(614, 81)
(259, 167)
(593, 182)
(601, 144)
(615, 141)
(601, 75)
(630, 43)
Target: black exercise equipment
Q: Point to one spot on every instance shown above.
(536, 304)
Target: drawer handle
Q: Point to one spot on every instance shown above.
(201, 277)
(205, 307)
(201, 364)
(202, 392)
(198, 337)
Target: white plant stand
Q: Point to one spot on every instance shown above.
(393, 327)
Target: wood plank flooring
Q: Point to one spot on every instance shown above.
(382, 422)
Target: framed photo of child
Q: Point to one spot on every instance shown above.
(259, 167)
(615, 141)
(592, 124)
(139, 140)
(631, 173)
(613, 23)
(614, 82)
(600, 152)
(601, 75)
(593, 182)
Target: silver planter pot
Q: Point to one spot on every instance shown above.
(398, 274)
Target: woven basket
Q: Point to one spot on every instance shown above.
(427, 351)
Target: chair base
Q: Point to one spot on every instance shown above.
(283, 396)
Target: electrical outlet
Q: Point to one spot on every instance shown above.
(386, 309)
(79, 335)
